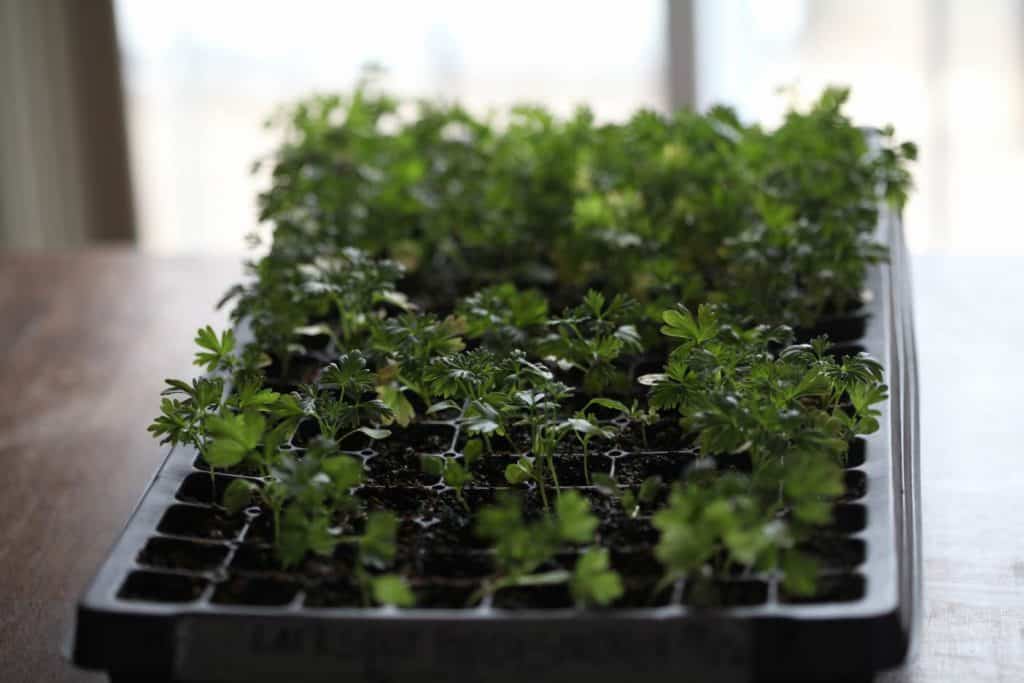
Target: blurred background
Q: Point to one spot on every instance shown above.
(139, 121)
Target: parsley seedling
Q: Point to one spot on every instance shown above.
(416, 260)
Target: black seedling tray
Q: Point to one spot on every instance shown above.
(188, 594)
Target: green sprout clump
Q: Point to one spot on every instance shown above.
(551, 288)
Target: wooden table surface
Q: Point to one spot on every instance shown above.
(86, 339)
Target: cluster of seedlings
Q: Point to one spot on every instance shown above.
(542, 362)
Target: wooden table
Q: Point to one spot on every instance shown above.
(86, 339)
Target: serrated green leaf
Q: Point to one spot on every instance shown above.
(433, 465)
(377, 544)
(345, 471)
(576, 523)
(238, 495)
(519, 473)
(593, 581)
(472, 451)
(391, 589)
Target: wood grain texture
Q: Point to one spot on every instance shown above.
(85, 342)
(969, 333)
(86, 338)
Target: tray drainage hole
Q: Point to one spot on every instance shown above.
(844, 588)
(170, 553)
(255, 591)
(157, 587)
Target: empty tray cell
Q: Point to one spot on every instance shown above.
(627, 533)
(836, 552)
(403, 500)
(856, 483)
(392, 468)
(533, 597)
(835, 588)
(255, 591)
(571, 472)
(446, 594)
(448, 502)
(451, 531)
(857, 454)
(454, 565)
(305, 432)
(489, 470)
(843, 328)
(201, 488)
(171, 553)
(343, 592)
(633, 468)
(158, 587)
(734, 462)
(849, 518)
(301, 369)
(663, 435)
(643, 593)
(199, 522)
(637, 563)
(418, 438)
(742, 593)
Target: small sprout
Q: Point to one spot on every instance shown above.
(520, 472)
(631, 500)
(586, 428)
(454, 473)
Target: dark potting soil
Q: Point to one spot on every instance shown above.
(231, 560)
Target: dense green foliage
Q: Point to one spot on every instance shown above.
(518, 276)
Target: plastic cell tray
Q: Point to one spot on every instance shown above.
(188, 594)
